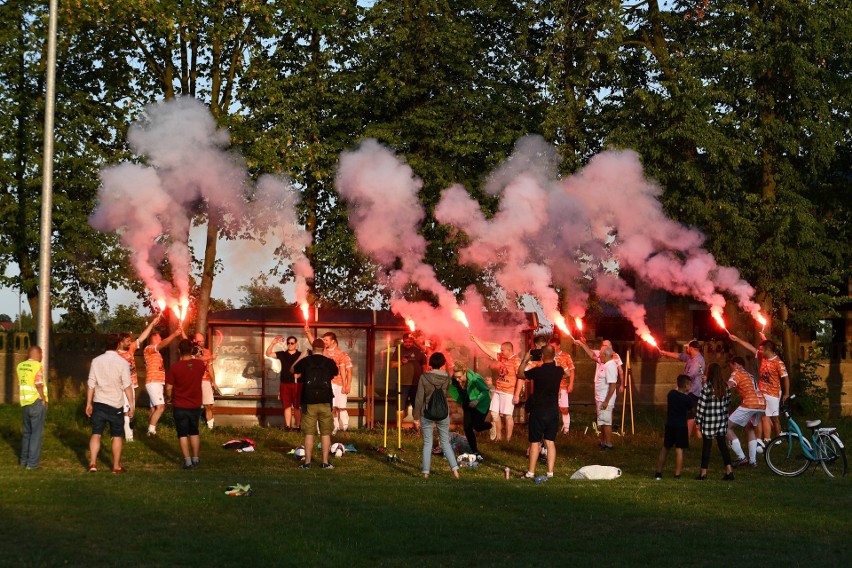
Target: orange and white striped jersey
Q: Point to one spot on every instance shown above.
(204, 354)
(771, 372)
(155, 371)
(130, 357)
(507, 373)
(342, 360)
(746, 386)
(565, 361)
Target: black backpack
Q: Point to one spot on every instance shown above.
(316, 389)
(436, 408)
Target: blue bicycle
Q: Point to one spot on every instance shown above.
(791, 453)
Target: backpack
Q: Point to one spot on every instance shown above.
(316, 388)
(436, 408)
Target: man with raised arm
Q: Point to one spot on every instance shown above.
(544, 411)
(290, 391)
(127, 351)
(773, 381)
(502, 403)
(208, 382)
(155, 376)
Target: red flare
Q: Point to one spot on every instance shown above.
(460, 316)
(176, 310)
(578, 322)
(760, 319)
(161, 303)
(720, 320)
(559, 321)
(410, 323)
(649, 339)
(305, 312)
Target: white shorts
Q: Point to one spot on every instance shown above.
(773, 404)
(126, 402)
(563, 399)
(155, 394)
(502, 403)
(340, 400)
(742, 416)
(207, 393)
(605, 414)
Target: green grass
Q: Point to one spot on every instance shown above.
(370, 513)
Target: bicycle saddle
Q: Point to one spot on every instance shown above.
(812, 423)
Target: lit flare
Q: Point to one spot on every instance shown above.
(559, 322)
(720, 320)
(460, 316)
(761, 319)
(578, 322)
(410, 323)
(649, 339)
(305, 312)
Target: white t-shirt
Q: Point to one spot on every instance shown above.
(598, 366)
(109, 375)
(607, 375)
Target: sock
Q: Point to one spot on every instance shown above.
(737, 447)
(195, 460)
(187, 461)
(128, 431)
(152, 428)
(210, 423)
(752, 451)
(344, 420)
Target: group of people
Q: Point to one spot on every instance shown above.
(701, 401)
(315, 385)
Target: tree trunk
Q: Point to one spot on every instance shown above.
(207, 274)
(790, 342)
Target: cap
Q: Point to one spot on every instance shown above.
(318, 344)
(407, 335)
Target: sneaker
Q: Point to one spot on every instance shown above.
(728, 477)
(479, 458)
(326, 466)
(528, 475)
(238, 490)
(550, 474)
(437, 451)
(119, 470)
(492, 433)
(658, 476)
(738, 463)
(92, 468)
(188, 465)
(152, 434)
(31, 467)
(701, 477)
(752, 464)
(677, 476)
(304, 466)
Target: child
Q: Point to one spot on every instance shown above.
(712, 419)
(677, 431)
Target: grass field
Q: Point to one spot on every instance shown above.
(367, 512)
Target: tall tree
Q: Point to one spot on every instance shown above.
(88, 117)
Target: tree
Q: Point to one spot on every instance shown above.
(124, 318)
(77, 319)
(88, 119)
(258, 294)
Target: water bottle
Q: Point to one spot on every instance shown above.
(540, 479)
(507, 473)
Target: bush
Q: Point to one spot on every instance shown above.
(810, 389)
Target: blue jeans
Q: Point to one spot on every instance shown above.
(33, 429)
(443, 436)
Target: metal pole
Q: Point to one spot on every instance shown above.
(47, 197)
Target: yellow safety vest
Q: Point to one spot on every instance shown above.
(27, 373)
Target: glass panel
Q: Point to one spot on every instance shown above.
(239, 361)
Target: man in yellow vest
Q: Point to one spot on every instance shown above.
(33, 396)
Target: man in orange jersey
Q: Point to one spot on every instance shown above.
(771, 378)
(127, 347)
(341, 384)
(155, 376)
(748, 414)
(208, 381)
(502, 403)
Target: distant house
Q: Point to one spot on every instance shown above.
(7, 325)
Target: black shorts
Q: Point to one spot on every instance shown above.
(186, 421)
(103, 414)
(544, 425)
(691, 414)
(677, 436)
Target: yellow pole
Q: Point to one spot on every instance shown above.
(630, 393)
(624, 400)
(387, 382)
(398, 397)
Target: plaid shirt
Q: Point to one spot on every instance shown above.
(712, 414)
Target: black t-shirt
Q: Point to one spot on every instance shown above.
(316, 373)
(413, 360)
(287, 359)
(546, 379)
(679, 405)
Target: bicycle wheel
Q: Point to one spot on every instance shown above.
(785, 457)
(832, 455)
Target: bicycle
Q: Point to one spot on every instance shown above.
(791, 453)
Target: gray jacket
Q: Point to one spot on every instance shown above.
(429, 382)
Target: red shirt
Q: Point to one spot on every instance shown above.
(185, 377)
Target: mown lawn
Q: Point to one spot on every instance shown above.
(368, 512)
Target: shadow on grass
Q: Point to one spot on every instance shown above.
(75, 440)
(168, 450)
(11, 436)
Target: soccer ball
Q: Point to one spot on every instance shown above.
(300, 452)
(760, 446)
(337, 449)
